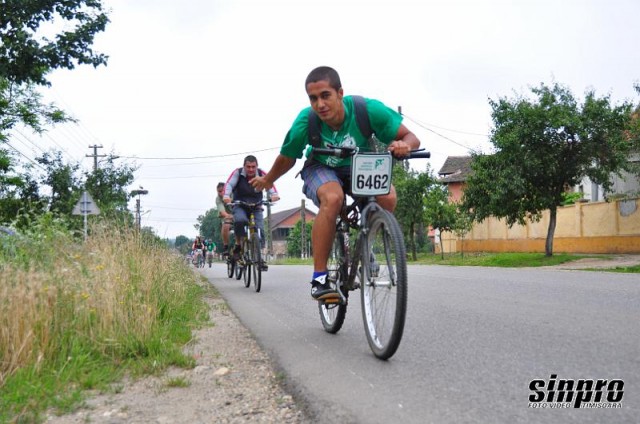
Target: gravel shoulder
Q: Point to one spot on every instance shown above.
(234, 381)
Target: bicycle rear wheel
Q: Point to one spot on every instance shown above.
(332, 315)
(256, 261)
(383, 277)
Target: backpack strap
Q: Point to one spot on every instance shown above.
(314, 129)
(362, 117)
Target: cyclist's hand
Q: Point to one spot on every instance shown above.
(261, 183)
(399, 148)
(275, 197)
(226, 199)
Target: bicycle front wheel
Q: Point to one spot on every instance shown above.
(247, 262)
(256, 261)
(231, 266)
(332, 315)
(383, 277)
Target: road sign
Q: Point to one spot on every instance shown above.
(86, 206)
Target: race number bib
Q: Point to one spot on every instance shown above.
(371, 174)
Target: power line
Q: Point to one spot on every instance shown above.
(25, 156)
(200, 157)
(183, 177)
(420, 124)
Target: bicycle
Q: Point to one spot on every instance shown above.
(373, 258)
(198, 259)
(251, 262)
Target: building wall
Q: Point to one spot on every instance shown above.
(455, 191)
(599, 227)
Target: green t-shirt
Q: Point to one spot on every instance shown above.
(384, 123)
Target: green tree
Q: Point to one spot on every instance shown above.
(63, 181)
(29, 51)
(294, 239)
(438, 212)
(183, 244)
(209, 226)
(543, 145)
(18, 193)
(108, 186)
(463, 223)
(28, 54)
(411, 189)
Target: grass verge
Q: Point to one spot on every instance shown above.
(504, 260)
(79, 316)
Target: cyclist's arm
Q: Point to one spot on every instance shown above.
(230, 186)
(404, 142)
(281, 166)
(222, 212)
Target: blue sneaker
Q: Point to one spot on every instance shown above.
(322, 290)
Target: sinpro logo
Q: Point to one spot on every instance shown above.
(569, 393)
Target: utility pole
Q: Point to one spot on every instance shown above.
(268, 230)
(303, 235)
(138, 217)
(95, 155)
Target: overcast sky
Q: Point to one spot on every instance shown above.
(215, 80)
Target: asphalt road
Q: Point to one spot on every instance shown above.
(475, 338)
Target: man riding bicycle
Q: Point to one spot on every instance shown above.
(239, 186)
(226, 214)
(198, 244)
(324, 177)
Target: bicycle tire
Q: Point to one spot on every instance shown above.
(247, 262)
(332, 315)
(256, 262)
(231, 267)
(239, 270)
(383, 277)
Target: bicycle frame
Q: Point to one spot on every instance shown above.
(354, 215)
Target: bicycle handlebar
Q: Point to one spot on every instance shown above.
(344, 152)
(250, 205)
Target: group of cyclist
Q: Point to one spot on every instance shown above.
(205, 246)
(325, 179)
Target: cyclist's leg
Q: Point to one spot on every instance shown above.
(324, 226)
(388, 201)
(323, 186)
(226, 227)
(240, 220)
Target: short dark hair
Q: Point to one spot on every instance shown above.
(324, 73)
(220, 185)
(250, 158)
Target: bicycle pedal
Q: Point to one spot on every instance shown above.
(331, 300)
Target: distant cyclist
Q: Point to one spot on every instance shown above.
(198, 244)
(226, 214)
(239, 187)
(210, 246)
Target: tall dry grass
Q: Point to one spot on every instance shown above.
(106, 297)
